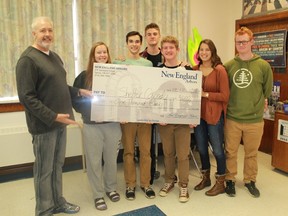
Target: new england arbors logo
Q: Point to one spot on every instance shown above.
(242, 78)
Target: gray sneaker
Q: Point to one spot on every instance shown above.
(67, 208)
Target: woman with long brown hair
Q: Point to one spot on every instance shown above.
(100, 139)
(215, 96)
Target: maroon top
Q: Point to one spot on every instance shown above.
(217, 85)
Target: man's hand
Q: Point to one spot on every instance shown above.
(265, 105)
(64, 118)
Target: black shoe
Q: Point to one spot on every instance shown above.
(130, 193)
(230, 188)
(175, 179)
(149, 192)
(156, 174)
(67, 208)
(252, 189)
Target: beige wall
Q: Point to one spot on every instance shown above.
(15, 141)
(215, 19)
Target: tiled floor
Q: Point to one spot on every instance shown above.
(17, 197)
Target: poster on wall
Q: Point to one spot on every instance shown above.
(271, 46)
(262, 7)
(282, 130)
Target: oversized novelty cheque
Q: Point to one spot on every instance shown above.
(128, 93)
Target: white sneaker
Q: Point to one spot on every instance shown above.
(166, 189)
(183, 193)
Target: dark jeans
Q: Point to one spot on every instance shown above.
(205, 133)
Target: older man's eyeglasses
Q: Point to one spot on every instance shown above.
(242, 42)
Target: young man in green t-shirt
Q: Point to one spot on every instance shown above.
(130, 130)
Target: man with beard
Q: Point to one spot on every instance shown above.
(46, 97)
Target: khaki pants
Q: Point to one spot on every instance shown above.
(143, 133)
(176, 142)
(251, 135)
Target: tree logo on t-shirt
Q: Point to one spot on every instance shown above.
(242, 78)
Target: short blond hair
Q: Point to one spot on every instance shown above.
(170, 39)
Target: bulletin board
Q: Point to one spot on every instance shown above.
(271, 46)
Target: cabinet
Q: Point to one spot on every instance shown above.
(280, 148)
(267, 138)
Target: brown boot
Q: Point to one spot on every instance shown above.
(219, 186)
(206, 181)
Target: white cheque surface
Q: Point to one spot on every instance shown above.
(128, 93)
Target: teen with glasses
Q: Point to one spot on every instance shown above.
(251, 81)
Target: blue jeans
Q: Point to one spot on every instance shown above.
(49, 150)
(214, 134)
